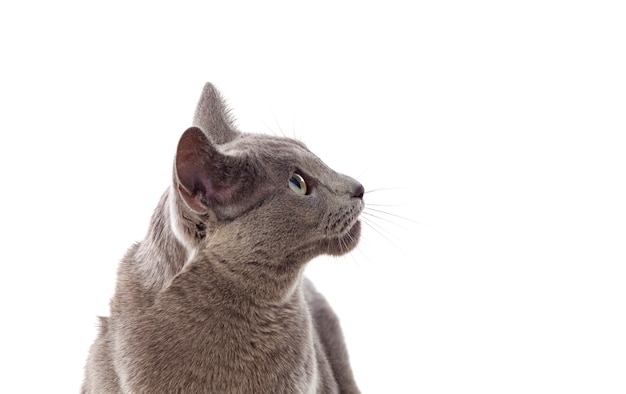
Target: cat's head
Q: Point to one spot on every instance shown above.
(269, 196)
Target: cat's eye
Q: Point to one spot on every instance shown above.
(297, 184)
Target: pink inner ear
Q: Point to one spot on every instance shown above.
(193, 202)
(193, 159)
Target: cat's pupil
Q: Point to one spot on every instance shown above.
(297, 184)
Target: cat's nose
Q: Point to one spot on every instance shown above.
(358, 191)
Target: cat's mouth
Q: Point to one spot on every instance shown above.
(345, 243)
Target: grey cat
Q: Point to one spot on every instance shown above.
(214, 300)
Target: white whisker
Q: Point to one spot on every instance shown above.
(385, 205)
(272, 132)
(392, 214)
(380, 232)
(278, 125)
(383, 189)
(378, 226)
(359, 249)
(377, 217)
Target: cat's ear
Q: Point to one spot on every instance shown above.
(213, 116)
(200, 171)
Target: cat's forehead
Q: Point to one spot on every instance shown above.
(269, 148)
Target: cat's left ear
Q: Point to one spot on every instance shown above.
(213, 116)
(201, 172)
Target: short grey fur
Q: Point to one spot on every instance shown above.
(214, 300)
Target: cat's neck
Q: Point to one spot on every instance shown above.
(161, 255)
(211, 285)
(175, 244)
(248, 275)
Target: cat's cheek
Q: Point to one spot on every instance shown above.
(301, 212)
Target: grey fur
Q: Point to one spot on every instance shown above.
(213, 300)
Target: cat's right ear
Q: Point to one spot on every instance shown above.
(197, 171)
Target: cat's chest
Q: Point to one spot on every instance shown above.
(217, 321)
(220, 347)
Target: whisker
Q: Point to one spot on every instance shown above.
(386, 205)
(356, 261)
(371, 225)
(381, 189)
(342, 246)
(278, 125)
(394, 215)
(351, 239)
(269, 128)
(379, 226)
(293, 127)
(358, 177)
(359, 248)
(385, 219)
(376, 190)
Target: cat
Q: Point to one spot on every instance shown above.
(214, 300)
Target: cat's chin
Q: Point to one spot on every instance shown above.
(344, 244)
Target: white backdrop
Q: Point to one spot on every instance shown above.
(495, 131)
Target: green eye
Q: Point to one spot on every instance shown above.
(297, 183)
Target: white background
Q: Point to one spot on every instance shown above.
(494, 129)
